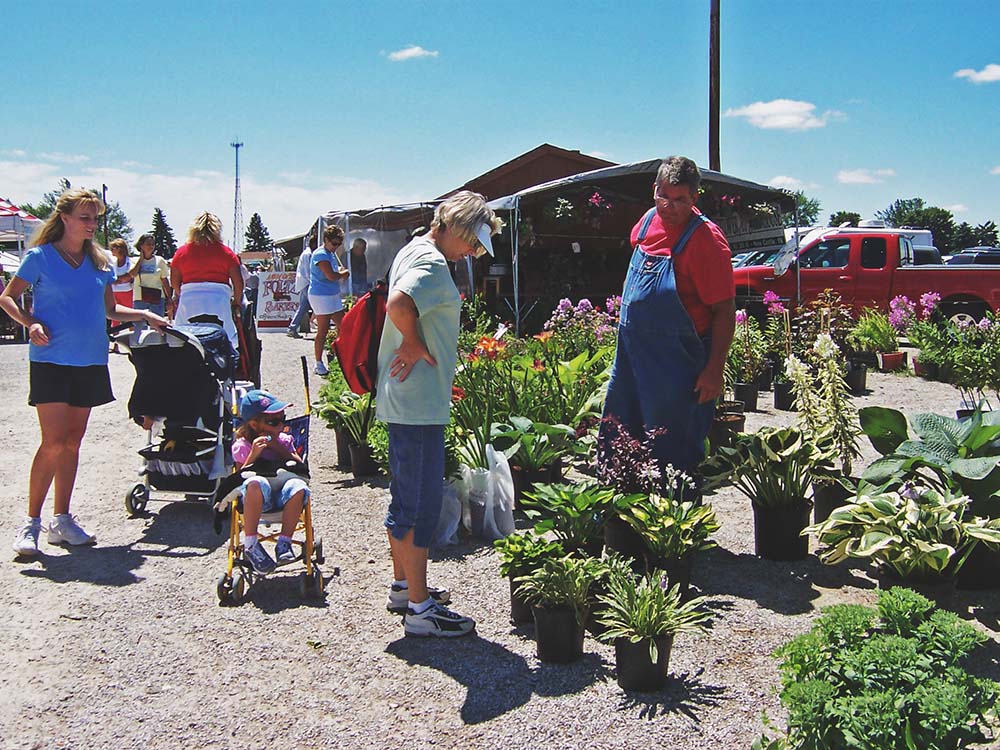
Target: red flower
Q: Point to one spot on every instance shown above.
(537, 365)
(457, 394)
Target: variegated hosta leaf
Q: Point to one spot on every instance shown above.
(939, 429)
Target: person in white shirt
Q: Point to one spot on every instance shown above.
(302, 288)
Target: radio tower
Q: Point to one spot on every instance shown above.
(237, 205)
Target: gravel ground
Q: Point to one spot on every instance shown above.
(124, 645)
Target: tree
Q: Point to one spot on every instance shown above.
(964, 236)
(808, 211)
(845, 217)
(940, 221)
(163, 235)
(117, 222)
(896, 214)
(258, 239)
(986, 234)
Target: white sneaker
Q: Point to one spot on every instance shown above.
(65, 530)
(437, 621)
(321, 369)
(26, 541)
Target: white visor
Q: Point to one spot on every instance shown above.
(483, 235)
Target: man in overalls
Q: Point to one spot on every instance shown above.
(676, 324)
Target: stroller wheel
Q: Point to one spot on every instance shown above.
(136, 499)
(231, 589)
(318, 550)
(311, 586)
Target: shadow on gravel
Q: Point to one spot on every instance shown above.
(347, 481)
(985, 661)
(496, 679)
(784, 587)
(280, 591)
(101, 566)
(684, 694)
(180, 529)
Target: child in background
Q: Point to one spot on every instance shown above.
(261, 442)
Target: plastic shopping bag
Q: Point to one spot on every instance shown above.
(480, 501)
(501, 519)
(451, 516)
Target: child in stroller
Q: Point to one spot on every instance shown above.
(261, 443)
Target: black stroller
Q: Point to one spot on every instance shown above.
(184, 396)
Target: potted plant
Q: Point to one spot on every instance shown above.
(773, 468)
(826, 413)
(747, 358)
(574, 513)
(520, 555)
(327, 407)
(559, 595)
(641, 618)
(356, 415)
(535, 450)
(874, 333)
(928, 333)
(918, 536)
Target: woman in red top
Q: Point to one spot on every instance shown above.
(206, 276)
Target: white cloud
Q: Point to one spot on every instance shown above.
(62, 158)
(864, 176)
(995, 170)
(989, 74)
(597, 154)
(957, 208)
(17, 153)
(784, 181)
(287, 207)
(131, 164)
(784, 114)
(411, 53)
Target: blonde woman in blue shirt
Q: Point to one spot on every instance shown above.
(71, 279)
(325, 293)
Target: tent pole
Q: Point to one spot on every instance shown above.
(516, 264)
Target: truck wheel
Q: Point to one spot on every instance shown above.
(964, 313)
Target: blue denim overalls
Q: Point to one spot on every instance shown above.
(658, 360)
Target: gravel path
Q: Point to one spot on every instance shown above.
(123, 645)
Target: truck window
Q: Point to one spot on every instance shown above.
(827, 254)
(873, 252)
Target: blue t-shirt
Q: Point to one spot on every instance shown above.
(319, 285)
(70, 302)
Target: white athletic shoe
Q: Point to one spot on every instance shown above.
(26, 541)
(65, 530)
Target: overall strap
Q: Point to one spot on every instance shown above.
(644, 227)
(695, 221)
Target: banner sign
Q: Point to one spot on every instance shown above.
(277, 300)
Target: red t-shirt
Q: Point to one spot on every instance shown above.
(703, 271)
(204, 263)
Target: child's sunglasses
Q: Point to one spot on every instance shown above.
(275, 420)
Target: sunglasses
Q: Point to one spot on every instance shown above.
(275, 420)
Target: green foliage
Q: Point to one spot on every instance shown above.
(670, 528)
(844, 217)
(898, 212)
(809, 209)
(378, 440)
(963, 455)
(163, 235)
(351, 412)
(772, 467)
(918, 533)
(562, 582)
(533, 445)
(117, 222)
(258, 239)
(643, 609)
(746, 355)
(573, 512)
(884, 680)
(524, 552)
(873, 333)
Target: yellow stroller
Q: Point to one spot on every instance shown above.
(231, 586)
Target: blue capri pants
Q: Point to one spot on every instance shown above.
(416, 460)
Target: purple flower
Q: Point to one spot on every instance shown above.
(928, 303)
(770, 297)
(584, 306)
(984, 324)
(902, 312)
(741, 316)
(776, 308)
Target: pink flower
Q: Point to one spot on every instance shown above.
(770, 297)
(741, 316)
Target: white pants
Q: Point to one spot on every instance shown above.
(208, 298)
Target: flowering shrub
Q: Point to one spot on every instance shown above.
(627, 463)
(583, 327)
(746, 355)
(902, 313)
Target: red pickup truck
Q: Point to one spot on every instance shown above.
(868, 267)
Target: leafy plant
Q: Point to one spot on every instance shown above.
(646, 608)
(747, 352)
(866, 678)
(873, 333)
(963, 455)
(670, 528)
(533, 445)
(573, 512)
(353, 413)
(562, 582)
(772, 467)
(917, 533)
(521, 553)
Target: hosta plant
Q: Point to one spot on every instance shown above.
(669, 528)
(574, 513)
(562, 582)
(522, 552)
(917, 533)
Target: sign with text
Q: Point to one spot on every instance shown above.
(277, 300)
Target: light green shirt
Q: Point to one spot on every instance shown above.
(421, 272)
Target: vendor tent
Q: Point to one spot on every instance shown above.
(722, 200)
(16, 226)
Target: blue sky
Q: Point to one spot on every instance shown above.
(352, 104)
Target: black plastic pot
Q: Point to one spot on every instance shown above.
(981, 571)
(525, 478)
(868, 359)
(635, 669)
(558, 636)
(343, 448)
(777, 531)
(621, 538)
(678, 570)
(729, 407)
(362, 463)
(747, 393)
(827, 497)
(724, 427)
(766, 377)
(926, 370)
(784, 398)
(520, 612)
(940, 590)
(857, 378)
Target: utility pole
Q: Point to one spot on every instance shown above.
(237, 205)
(714, 159)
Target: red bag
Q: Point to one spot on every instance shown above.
(357, 341)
